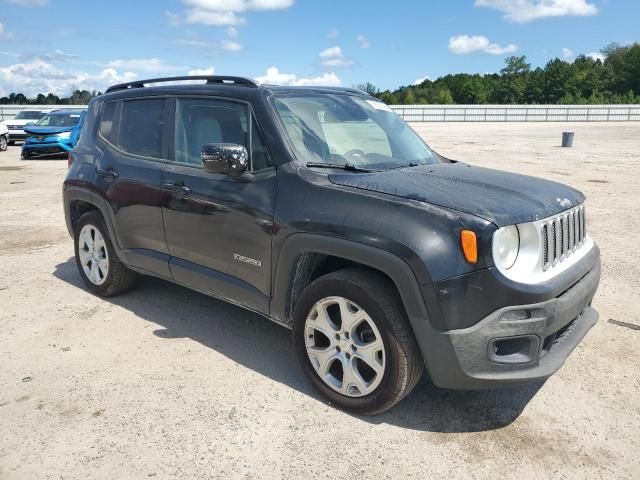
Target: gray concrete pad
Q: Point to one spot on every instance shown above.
(163, 382)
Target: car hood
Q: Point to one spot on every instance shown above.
(33, 130)
(500, 197)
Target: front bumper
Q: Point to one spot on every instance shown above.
(17, 135)
(49, 146)
(515, 344)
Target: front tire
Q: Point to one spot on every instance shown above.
(354, 342)
(3, 143)
(99, 266)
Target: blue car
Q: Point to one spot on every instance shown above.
(55, 134)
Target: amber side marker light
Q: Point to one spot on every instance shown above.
(469, 243)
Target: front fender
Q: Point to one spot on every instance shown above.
(391, 265)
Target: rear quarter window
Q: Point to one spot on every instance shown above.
(141, 127)
(107, 126)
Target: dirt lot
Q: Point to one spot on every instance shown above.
(164, 382)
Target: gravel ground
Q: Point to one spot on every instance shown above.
(164, 382)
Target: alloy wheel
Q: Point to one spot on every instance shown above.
(344, 347)
(93, 254)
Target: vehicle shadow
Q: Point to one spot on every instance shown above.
(265, 347)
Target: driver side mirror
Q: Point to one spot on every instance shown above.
(225, 158)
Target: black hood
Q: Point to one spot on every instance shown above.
(500, 197)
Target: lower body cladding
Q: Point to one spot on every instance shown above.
(33, 148)
(515, 344)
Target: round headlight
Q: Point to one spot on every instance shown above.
(506, 243)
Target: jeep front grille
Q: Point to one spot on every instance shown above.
(561, 235)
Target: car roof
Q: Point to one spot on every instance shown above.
(233, 87)
(67, 111)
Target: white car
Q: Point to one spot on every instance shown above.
(4, 137)
(16, 124)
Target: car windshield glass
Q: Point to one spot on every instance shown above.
(29, 115)
(348, 129)
(59, 120)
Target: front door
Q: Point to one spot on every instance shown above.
(218, 228)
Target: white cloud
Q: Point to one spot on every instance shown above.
(418, 81)
(567, 54)
(226, 12)
(333, 57)
(232, 32)
(523, 11)
(202, 71)
(464, 44)
(144, 64)
(42, 77)
(275, 77)
(55, 56)
(331, 52)
(214, 19)
(230, 46)
(211, 47)
(596, 56)
(174, 19)
(4, 33)
(333, 34)
(29, 3)
(363, 41)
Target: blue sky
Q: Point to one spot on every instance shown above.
(55, 45)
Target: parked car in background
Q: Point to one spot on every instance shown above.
(25, 117)
(4, 137)
(54, 134)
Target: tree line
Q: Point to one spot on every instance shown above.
(613, 79)
(586, 80)
(78, 97)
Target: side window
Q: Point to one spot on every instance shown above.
(203, 121)
(260, 154)
(141, 125)
(107, 128)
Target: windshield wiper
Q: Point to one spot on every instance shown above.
(406, 165)
(349, 167)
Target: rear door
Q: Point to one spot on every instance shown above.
(218, 228)
(134, 144)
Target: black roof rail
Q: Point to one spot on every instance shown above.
(211, 80)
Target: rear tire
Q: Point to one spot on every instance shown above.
(338, 319)
(3, 143)
(99, 266)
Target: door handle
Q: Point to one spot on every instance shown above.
(180, 191)
(109, 173)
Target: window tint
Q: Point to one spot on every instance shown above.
(201, 121)
(107, 129)
(260, 155)
(141, 124)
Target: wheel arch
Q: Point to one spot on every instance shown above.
(79, 200)
(304, 257)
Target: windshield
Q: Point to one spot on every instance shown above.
(346, 129)
(59, 120)
(29, 115)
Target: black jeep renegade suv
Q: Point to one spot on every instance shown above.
(322, 210)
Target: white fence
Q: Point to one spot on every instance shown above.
(518, 113)
(469, 113)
